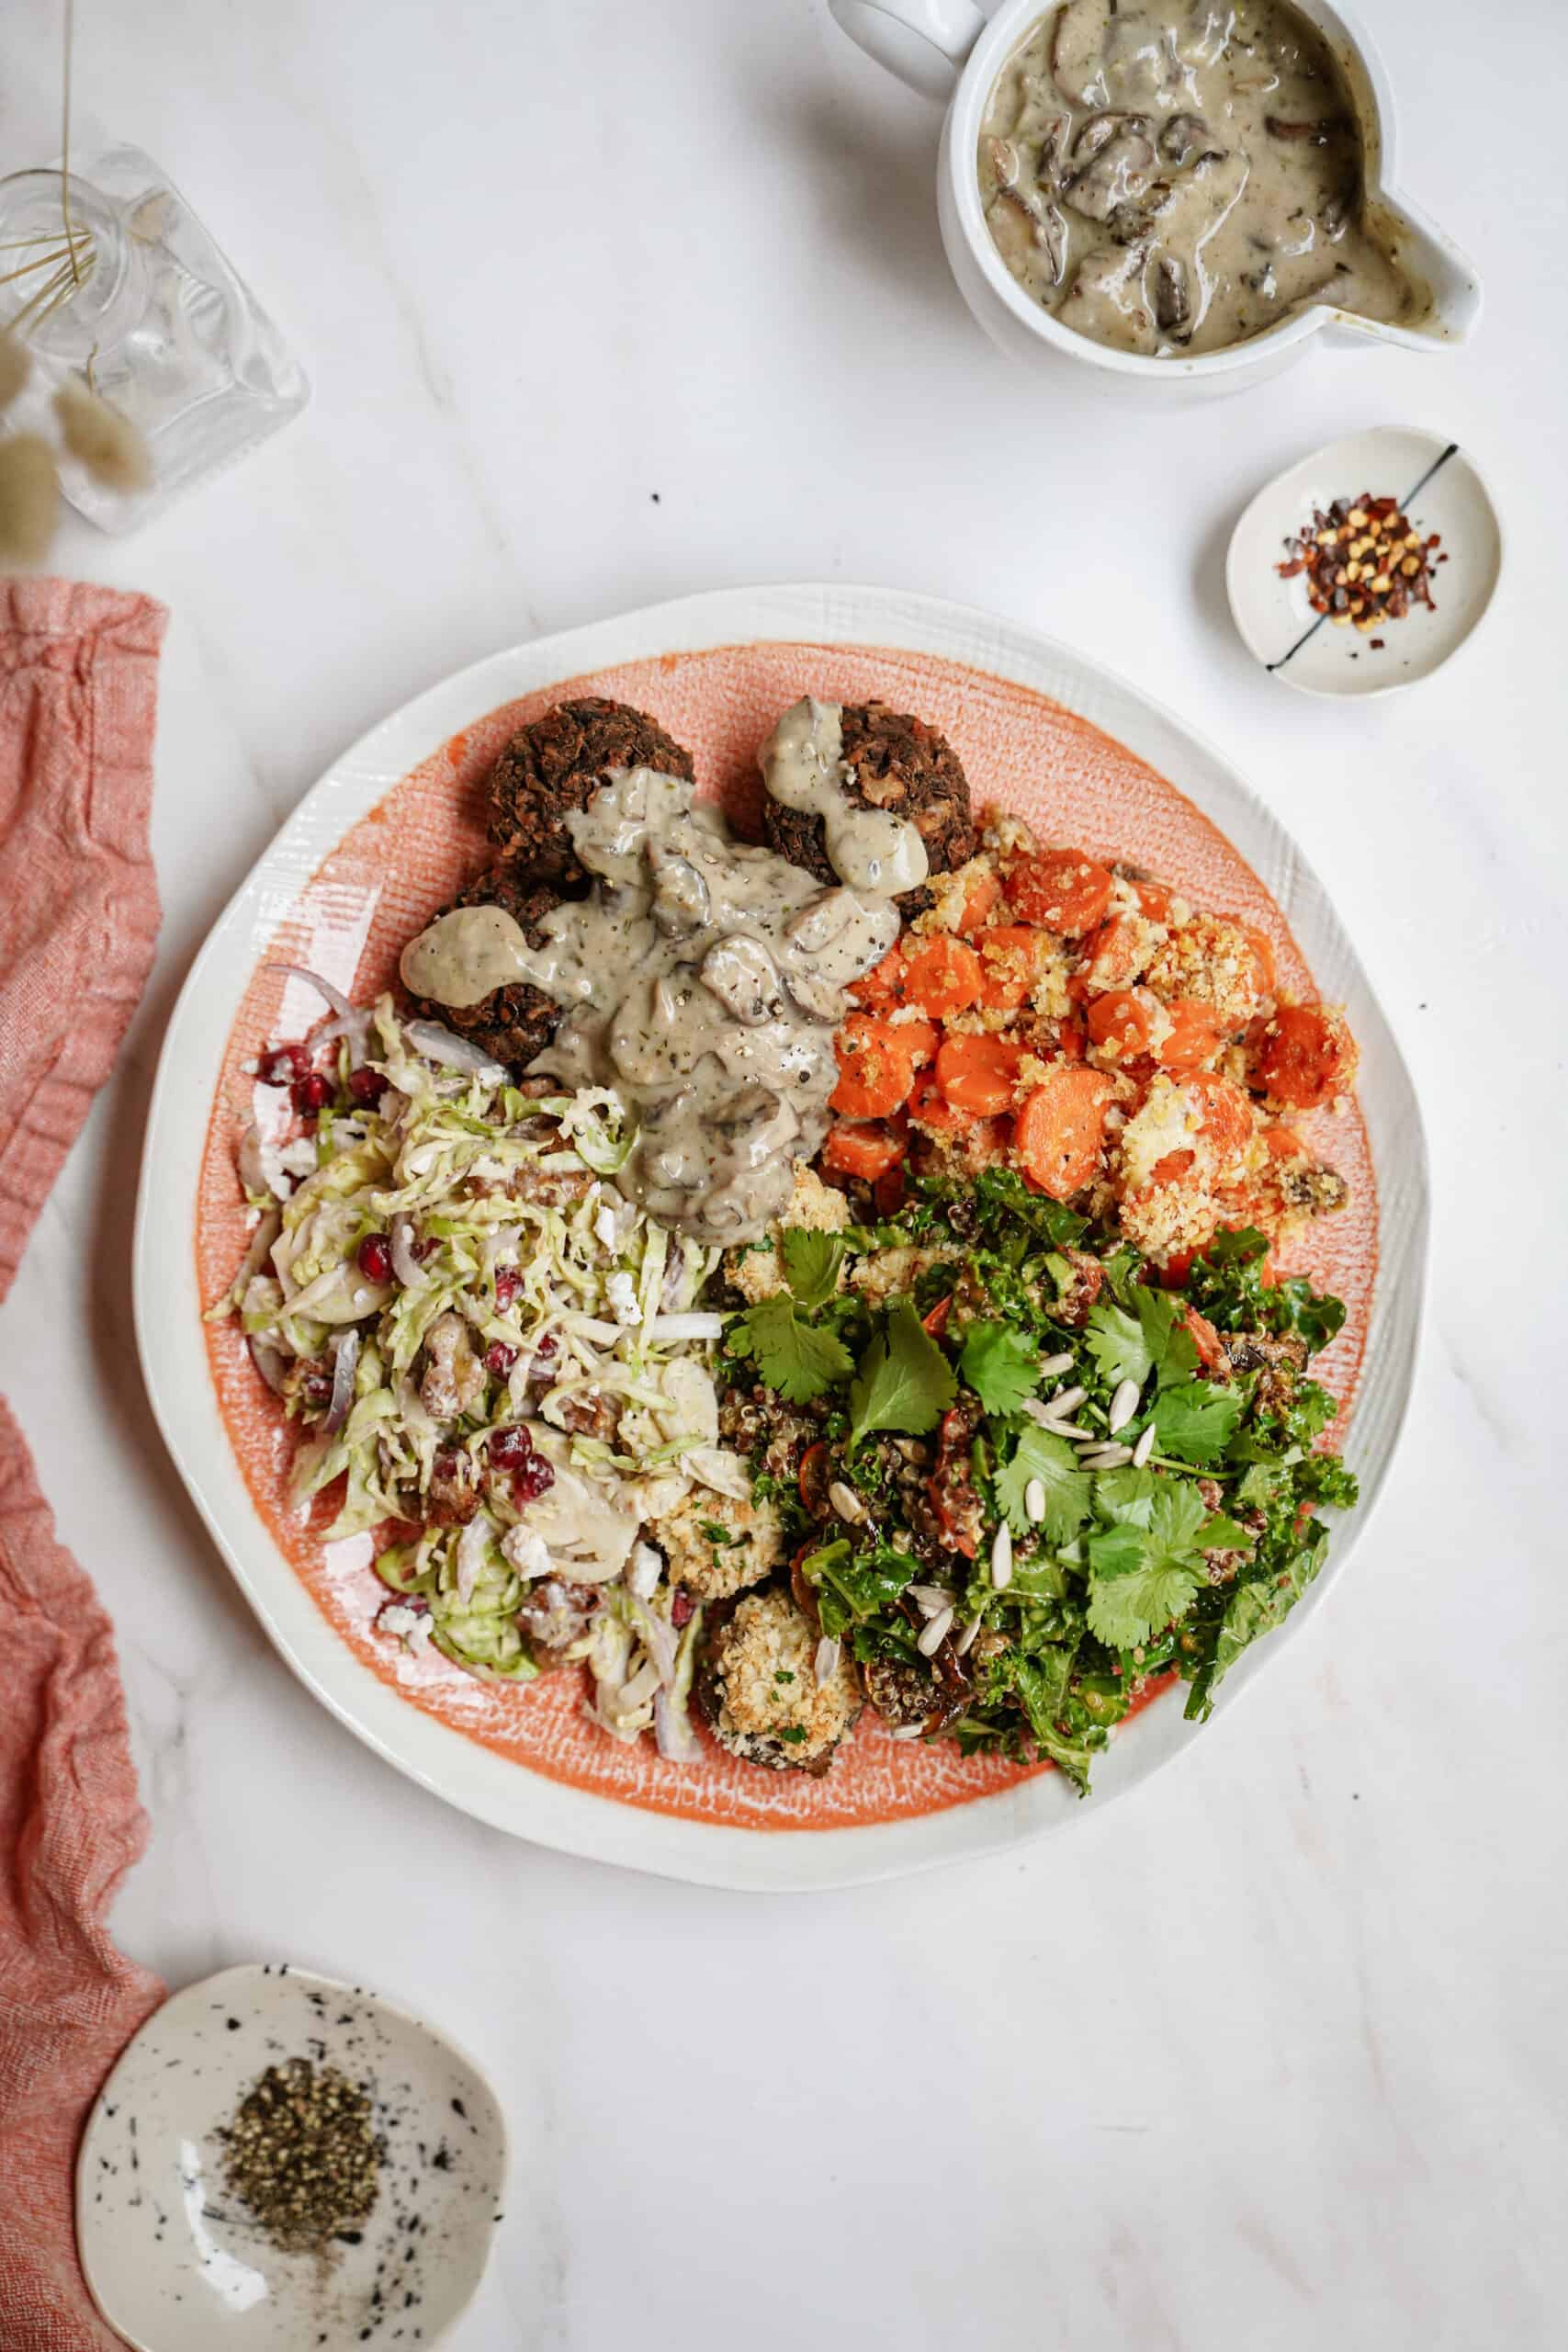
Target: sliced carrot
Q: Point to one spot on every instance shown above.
(1119, 1025)
(864, 1151)
(984, 892)
(1225, 1115)
(1154, 899)
(1011, 959)
(979, 1074)
(1193, 1036)
(1172, 1168)
(876, 1068)
(942, 976)
(1061, 889)
(888, 1191)
(884, 984)
(1284, 1143)
(1071, 1039)
(1060, 1128)
(1114, 956)
(1206, 1339)
(1175, 1270)
(930, 1111)
(1303, 1055)
(1262, 948)
(924, 1037)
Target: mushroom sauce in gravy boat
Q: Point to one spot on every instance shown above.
(1181, 192)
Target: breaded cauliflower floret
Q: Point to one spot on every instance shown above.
(888, 1273)
(759, 1689)
(817, 1207)
(717, 1547)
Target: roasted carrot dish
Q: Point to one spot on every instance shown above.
(1082, 1023)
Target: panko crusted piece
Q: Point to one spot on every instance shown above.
(758, 1271)
(758, 1689)
(716, 1545)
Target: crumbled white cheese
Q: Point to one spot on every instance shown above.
(525, 1551)
(643, 1571)
(620, 1292)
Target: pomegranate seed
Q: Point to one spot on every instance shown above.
(367, 1086)
(508, 1282)
(312, 1094)
(534, 1478)
(420, 1251)
(499, 1358)
(374, 1258)
(545, 1350)
(510, 1448)
(682, 1608)
(282, 1065)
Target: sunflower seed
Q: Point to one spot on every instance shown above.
(935, 1634)
(1054, 1365)
(1066, 1400)
(1144, 1448)
(961, 1646)
(930, 1600)
(1001, 1558)
(825, 1664)
(1124, 1405)
(1034, 1499)
(905, 1730)
(1110, 1457)
(846, 1502)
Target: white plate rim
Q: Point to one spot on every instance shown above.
(168, 1306)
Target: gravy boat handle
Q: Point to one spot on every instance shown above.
(925, 43)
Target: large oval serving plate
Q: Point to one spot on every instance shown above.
(362, 864)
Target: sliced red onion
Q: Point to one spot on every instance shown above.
(678, 1743)
(345, 1361)
(439, 1045)
(405, 1265)
(334, 997)
(272, 1367)
(640, 1689)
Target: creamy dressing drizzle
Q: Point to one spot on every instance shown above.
(1172, 176)
(802, 764)
(703, 980)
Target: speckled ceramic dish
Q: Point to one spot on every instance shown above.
(382, 840)
(175, 2264)
(1440, 491)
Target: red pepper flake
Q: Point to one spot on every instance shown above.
(1363, 563)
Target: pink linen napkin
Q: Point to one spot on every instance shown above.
(78, 923)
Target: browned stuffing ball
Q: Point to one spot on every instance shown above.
(512, 1024)
(897, 763)
(756, 1685)
(556, 764)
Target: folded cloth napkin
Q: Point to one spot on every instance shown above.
(78, 923)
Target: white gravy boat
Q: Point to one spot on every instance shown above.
(949, 50)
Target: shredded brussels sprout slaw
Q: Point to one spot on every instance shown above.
(503, 1361)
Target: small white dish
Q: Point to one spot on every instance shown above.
(1440, 490)
(176, 2264)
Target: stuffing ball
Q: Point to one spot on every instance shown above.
(556, 764)
(716, 1545)
(757, 1690)
(895, 762)
(515, 1023)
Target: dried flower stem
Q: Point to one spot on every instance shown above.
(65, 140)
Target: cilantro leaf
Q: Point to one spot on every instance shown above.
(793, 1358)
(1145, 1566)
(811, 1263)
(1117, 1343)
(903, 1382)
(1128, 1609)
(1052, 1461)
(1127, 1496)
(1000, 1366)
(1196, 1422)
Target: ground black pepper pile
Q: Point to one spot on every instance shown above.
(303, 2155)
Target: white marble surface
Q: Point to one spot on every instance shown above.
(1274, 2057)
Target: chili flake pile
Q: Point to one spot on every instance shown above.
(1364, 562)
(302, 2154)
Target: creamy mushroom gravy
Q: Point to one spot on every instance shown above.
(703, 980)
(1171, 176)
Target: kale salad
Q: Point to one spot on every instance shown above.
(1012, 1476)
